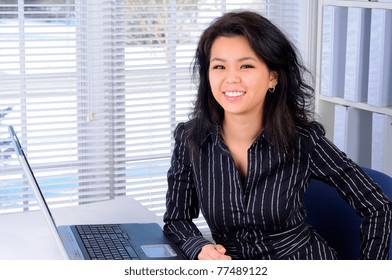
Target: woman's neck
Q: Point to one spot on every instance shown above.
(239, 133)
(241, 129)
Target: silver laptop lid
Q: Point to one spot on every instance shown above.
(36, 189)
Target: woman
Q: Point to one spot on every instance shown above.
(245, 157)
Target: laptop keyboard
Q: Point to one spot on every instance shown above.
(106, 242)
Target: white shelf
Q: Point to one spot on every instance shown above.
(358, 105)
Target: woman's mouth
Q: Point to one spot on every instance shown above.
(234, 93)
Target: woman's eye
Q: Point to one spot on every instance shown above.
(247, 66)
(218, 67)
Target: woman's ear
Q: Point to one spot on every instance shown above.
(273, 81)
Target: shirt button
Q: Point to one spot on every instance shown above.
(248, 239)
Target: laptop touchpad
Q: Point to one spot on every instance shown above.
(158, 251)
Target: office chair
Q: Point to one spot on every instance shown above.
(334, 219)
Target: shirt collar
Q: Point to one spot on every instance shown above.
(214, 136)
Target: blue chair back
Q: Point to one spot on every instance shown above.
(334, 219)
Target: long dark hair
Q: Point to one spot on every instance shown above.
(284, 110)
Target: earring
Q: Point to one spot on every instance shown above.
(272, 90)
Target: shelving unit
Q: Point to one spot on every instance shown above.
(325, 105)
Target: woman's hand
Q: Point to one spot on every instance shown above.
(213, 252)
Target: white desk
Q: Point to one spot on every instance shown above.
(27, 236)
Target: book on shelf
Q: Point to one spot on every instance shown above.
(353, 133)
(380, 56)
(382, 143)
(333, 50)
(357, 54)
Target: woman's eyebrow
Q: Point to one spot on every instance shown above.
(241, 59)
(247, 58)
(217, 59)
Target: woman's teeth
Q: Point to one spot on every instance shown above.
(234, 93)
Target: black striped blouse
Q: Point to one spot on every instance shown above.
(263, 216)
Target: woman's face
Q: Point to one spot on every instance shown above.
(239, 79)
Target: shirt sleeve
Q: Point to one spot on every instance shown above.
(331, 165)
(181, 200)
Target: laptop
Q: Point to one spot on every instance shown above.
(136, 241)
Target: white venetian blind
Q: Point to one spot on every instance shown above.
(95, 88)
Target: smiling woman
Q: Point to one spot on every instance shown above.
(246, 155)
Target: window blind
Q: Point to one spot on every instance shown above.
(94, 90)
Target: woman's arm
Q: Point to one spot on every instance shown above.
(181, 200)
(328, 163)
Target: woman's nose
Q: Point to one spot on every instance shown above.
(232, 77)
